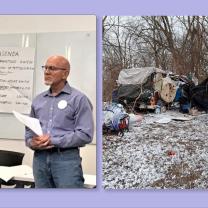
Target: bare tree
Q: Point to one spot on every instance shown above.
(174, 43)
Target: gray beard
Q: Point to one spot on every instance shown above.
(48, 82)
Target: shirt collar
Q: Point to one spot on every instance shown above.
(66, 89)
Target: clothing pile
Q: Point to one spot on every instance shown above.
(115, 119)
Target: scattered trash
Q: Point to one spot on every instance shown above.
(181, 118)
(171, 153)
(164, 120)
(135, 120)
(151, 156)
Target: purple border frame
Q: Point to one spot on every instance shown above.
(99, 197)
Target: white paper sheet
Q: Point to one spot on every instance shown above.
(182, 118)
(163, 120)
(7, 173)
(30, 122)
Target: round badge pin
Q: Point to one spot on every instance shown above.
(62, 104)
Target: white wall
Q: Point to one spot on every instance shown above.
(48, 23)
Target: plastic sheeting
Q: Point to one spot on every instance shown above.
(136, 75)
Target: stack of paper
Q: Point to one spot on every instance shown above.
(30, 122)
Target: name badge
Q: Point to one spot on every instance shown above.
(62, 104)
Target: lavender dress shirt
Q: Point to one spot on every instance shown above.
(67, 118)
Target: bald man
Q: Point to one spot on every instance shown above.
(65, 115)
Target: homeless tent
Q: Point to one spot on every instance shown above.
(137, 82)
(199, 96)
(194, 96)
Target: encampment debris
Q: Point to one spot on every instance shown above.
(115, 119)
(140, 159)
(152, 88)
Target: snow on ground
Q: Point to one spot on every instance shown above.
(158, 155)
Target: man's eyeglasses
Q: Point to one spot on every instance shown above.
(52, 68)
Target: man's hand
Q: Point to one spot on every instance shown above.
(41, 142)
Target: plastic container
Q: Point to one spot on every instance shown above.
(158, 109)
